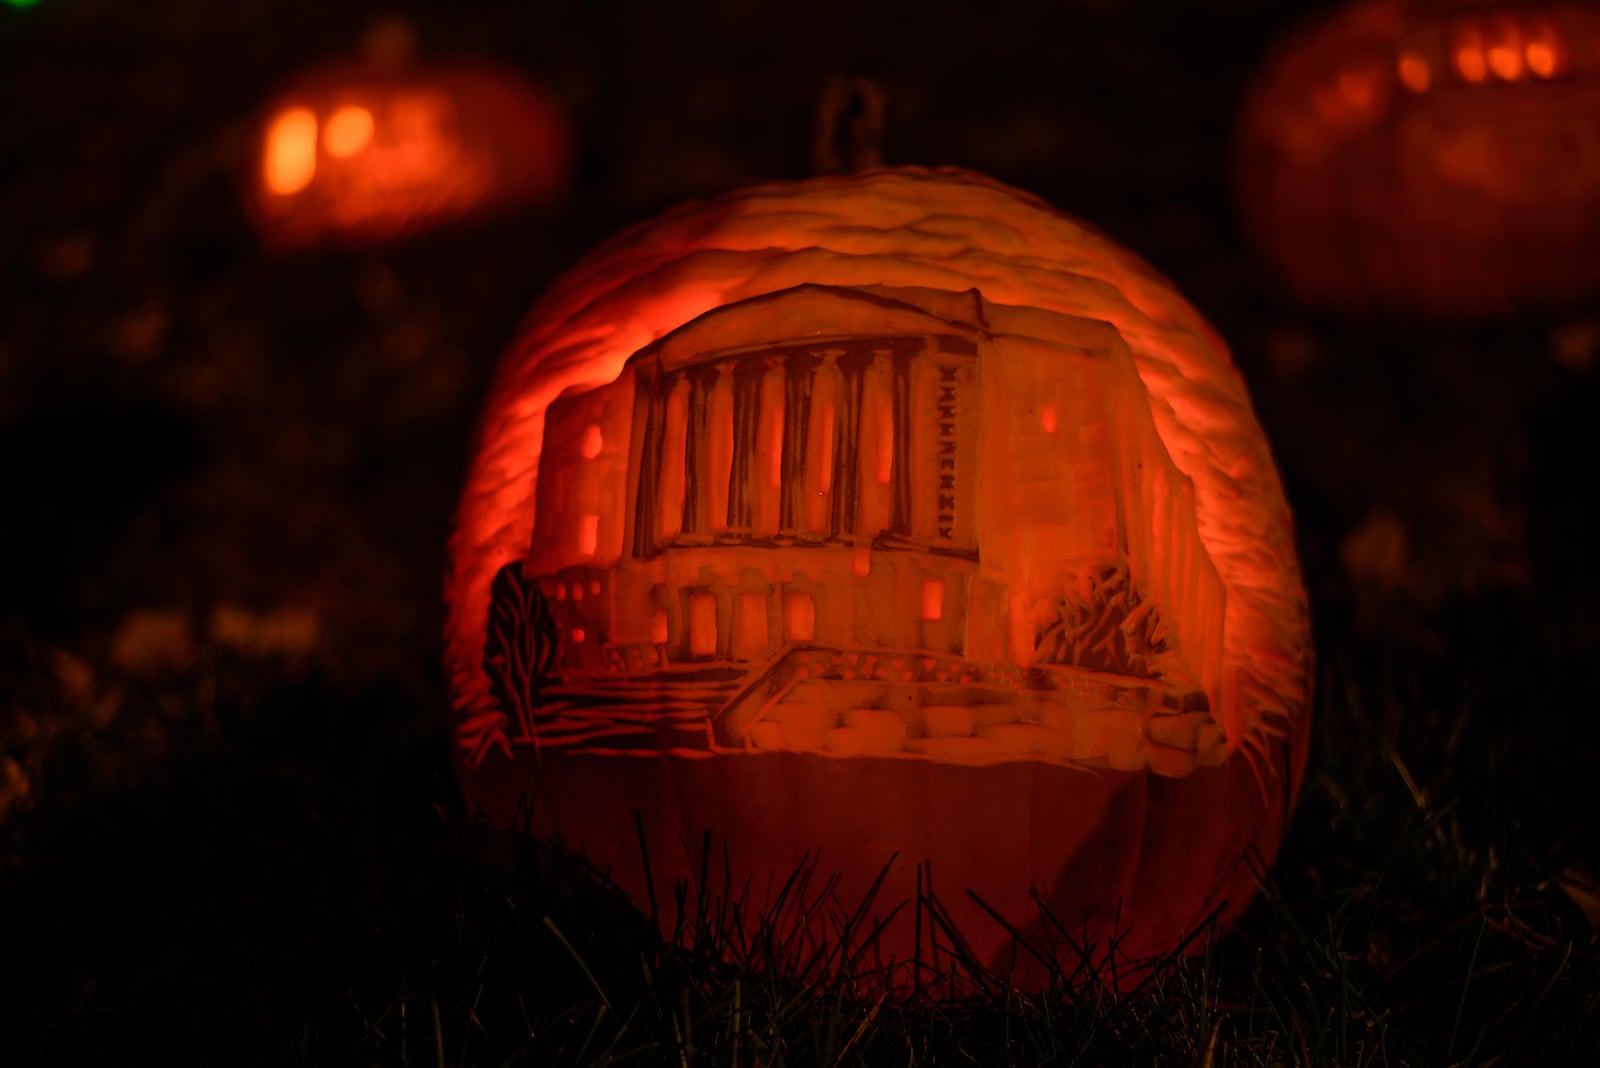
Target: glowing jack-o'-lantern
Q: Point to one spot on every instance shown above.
(1441, 157)
(889, 519)
(363, 154)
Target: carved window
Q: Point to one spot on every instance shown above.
(800, 616)
(750, 627)
(702, 624)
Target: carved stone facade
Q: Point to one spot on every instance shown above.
(875, 521)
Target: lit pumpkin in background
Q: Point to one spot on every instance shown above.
(1435, 157)
(364, 154)
(898, 521)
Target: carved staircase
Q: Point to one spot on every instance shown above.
(662, 710)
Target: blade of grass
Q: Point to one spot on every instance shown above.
(578, 959)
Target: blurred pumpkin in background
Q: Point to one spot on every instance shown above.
(368, 153)
(883, 525)
(1429, 156)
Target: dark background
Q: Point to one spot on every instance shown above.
(245, 834)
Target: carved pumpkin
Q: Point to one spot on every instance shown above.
(1441, 157)
(885, 516)
(364, 154)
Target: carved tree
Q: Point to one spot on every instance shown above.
(1115, 630)
(523, 648)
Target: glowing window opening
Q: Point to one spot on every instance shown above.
(1506, 62)
(291, 156)
(800, 616)
(702, 624)
(348, 132)
(1469, 56)
(593, 441)
(1541, 59)
(1414, 72)
(588, 537)
(750, 637)
(1356, 88)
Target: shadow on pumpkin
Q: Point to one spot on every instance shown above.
(784, 875)
(812, 936)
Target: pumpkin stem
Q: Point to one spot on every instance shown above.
(849, 132)
(389, 41)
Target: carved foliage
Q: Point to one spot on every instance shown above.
(523, 651)
(1114, 629)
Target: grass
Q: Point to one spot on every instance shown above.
(293, 882)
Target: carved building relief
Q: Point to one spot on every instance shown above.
(853, 521)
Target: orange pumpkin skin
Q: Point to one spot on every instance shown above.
(1441, 158)
(359, 155)
(831, 470)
